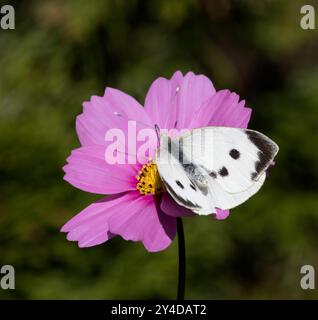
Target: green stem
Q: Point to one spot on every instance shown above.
(182, 260)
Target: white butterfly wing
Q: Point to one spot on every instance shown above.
(225, 200)
(225, 165)
(180, 186)
(236, 157)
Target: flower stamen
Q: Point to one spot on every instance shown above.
(149, 181)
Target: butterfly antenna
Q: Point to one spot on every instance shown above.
(157, 132)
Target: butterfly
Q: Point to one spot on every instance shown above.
(214, 167)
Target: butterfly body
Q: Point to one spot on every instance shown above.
(214, 167)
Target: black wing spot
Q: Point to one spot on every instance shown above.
(179, 184)
(223, 172)
(213, 174)
(185, 202)
(235, 154)
(193, 187)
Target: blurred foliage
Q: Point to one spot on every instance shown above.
(62, 52)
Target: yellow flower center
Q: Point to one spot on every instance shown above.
(149, 181)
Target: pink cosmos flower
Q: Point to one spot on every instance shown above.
(131, 211)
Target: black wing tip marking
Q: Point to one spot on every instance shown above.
(254, 175)
(267, 151)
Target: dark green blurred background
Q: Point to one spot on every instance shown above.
(62, 52)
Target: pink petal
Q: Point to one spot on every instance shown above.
(88, 170)
(97, 118)
(222, 109)
(127, 106)
(171, 208)
(194, 91)
(90, 226)
(113, 110)
(221, 214)
(160, 102)
(144, 221)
